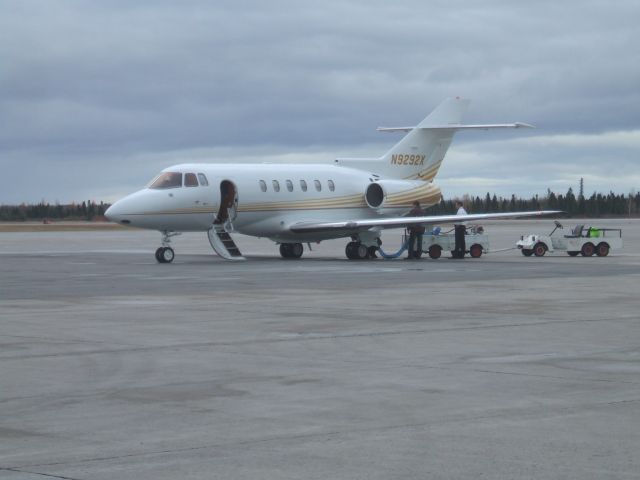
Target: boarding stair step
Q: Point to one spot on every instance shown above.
(223, 244)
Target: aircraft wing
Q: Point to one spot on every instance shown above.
(399, 222)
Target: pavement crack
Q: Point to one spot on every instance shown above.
(312, 338)
(49, 475)
(528, 412)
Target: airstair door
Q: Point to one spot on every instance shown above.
(223, 244)
(218, 234)
(228, 210)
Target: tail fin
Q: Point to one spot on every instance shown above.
(419, 154)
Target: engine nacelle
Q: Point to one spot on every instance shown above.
(401, 194)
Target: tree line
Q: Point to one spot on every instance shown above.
(86, 210)
(597, 205)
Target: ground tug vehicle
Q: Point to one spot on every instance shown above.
(476, 242)
(434, 242)
(586, 241)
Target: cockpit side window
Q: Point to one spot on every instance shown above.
(190, 180)
(203, 180)
(167, 180)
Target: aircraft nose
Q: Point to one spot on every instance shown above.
(115, 213)
(112, 213)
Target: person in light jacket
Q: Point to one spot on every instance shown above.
(460, 231)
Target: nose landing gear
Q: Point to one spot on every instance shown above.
(165, 253)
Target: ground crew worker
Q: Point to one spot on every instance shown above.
(415, 232)
(460, 231)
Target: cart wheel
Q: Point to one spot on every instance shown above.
(435, 251)
(602, 249)
(539, 249)
(475, 251)
(526, 252)
(588, 249)
(573, 254)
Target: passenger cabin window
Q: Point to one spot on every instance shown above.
(167, 180)
(332, 186)
(303, 185)
(318, 185)
(290, 185)
(190, 180)
(276, 185)
(263, 185)
(203, 179)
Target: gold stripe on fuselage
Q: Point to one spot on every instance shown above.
(427, 175)
(426, 194)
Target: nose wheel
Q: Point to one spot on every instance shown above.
(165, 255)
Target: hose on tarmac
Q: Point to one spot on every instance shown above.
(389, 256)
(501, 250)
(405, 245)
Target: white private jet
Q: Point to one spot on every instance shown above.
(293, 204)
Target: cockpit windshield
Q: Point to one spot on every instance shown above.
(167, 180)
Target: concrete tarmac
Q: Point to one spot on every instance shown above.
(114, 366)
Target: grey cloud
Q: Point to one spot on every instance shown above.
(106, 82)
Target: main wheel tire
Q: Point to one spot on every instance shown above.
(348, 250)
(526, 252)
(602, 249)
(159, 258)
(286, 250)
(588, 249)
(167, 255)
(539, 249)
(356, 251)
(360, 252)
(475, 251)
(296, 250)
(573, 254)
(435, 251)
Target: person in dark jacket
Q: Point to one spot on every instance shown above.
(415, 232)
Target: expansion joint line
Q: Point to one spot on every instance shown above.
(48, 475)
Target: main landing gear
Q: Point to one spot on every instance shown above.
(165, 253)
(291, 250)
(363, 246)
(359, 251)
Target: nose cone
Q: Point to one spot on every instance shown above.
(140, 209)
(128, 208)
(115, 213)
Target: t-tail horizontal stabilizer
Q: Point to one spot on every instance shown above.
(419, 154)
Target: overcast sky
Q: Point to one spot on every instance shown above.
(97, 96)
